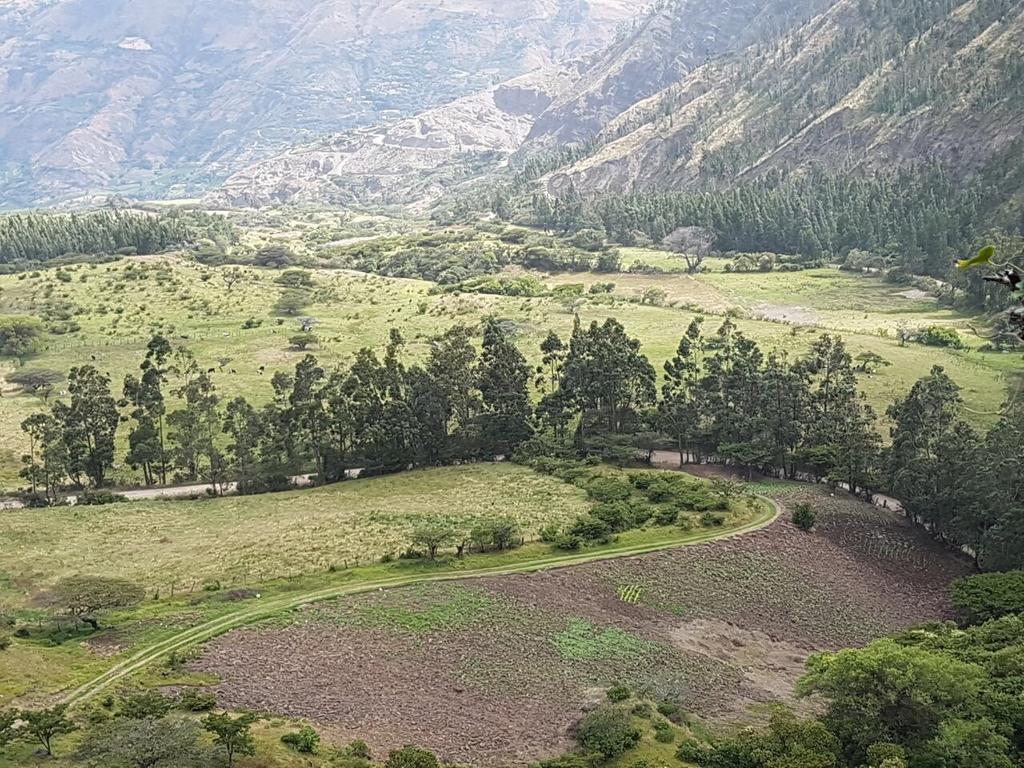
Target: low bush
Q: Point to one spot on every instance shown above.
(804, 516)
(712, 520)
(663, 732)
(608, 731)
(306, 740)
(666, 516)
(940, 336)
(139, 705)
(608, 489)
(194, 700)
(618, 693)
(99, 497)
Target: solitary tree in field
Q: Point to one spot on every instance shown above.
(83, 597)
(232, 734)
(431, 536)
(232, 277)
(43, 725)
(300, 341)
(19, 336)
(693, 243)
(38, 381)
(869, 362)
(292, 301)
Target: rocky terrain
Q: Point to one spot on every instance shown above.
(412, 160)
(703, 94)
(157, 98)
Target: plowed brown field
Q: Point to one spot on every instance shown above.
(497, 671)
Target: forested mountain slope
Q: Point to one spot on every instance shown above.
(867, 85)
(139, 95)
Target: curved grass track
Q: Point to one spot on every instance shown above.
(267, 608)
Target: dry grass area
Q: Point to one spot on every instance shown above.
(253, 538)
(497, 671)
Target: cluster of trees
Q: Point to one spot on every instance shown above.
(937, 697)
(452, 257)
(378, 413)
(40, 237)
(722, 398)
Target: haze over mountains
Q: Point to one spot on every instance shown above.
(155, 98)
(405, 102)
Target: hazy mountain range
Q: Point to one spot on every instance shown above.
(404, 102)
(150, 97)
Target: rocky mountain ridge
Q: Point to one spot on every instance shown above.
(153, 98)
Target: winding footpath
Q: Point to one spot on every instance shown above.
(268, 607)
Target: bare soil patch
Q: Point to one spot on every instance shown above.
(497, 672)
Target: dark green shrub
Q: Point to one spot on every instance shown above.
(642, 709)
(667, 709)
(568, 542)
(140, 705)
(989, 596)
(412, 757)
(940, 336)
(617, 515)
(306, 740)
(591, 529)
(608, 731)
(96, 498)
(359, 749)
(712, 519)
(691, 751)
(5, 641)
(608, 489)
(663, 732)
(661, 490)
(666, 516)
(618, 693)
(194, 700)
(642, 480)
(804, 516)
(550, 533)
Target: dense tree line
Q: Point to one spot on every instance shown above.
(722, 398)
(38, 236)
(452, 257)
(920, 222)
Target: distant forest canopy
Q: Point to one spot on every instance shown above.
(723, 399)
(27, 238)
(917, 222)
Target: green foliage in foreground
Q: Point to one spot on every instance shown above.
(936, 697)
(989, 596)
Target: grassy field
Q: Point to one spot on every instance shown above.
(118, 306)
(33, 670)
(183, 544)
